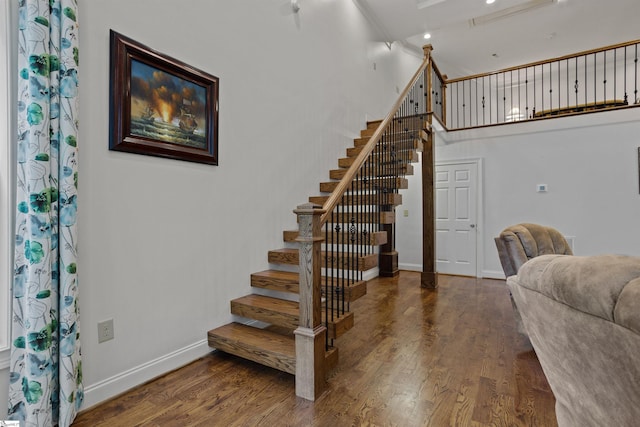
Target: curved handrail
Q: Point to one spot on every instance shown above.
(359, 161)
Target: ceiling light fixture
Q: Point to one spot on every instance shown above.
(508, 12)
(490, 1)
(427, 36)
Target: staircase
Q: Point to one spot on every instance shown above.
(344, 235)
(274, 344)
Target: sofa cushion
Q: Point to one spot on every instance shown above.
(594, 284)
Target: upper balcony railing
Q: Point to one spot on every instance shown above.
(594, 80)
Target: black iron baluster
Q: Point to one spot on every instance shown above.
(476, 80)
(550, 86)
(519, 96)
(497, 100)
(595, 79)
(559, 88)
(626, 94)
(504, 98)
(534, 91)
(526, 92)
(635, 91)
(542, 87)
(615, 73)
(483, 105)
(464, 120)
(586, 81)
(576, 85)
(568, 95)
(604, 82)
(511, 111)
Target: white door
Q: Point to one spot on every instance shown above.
(456, 206)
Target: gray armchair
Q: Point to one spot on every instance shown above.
(519, 243)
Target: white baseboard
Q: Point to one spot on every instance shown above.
(493, 274)
(5, 357)
(110, 387)
(410, 267)
(371, 274)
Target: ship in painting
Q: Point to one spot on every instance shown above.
(187, 121)
(147, 114)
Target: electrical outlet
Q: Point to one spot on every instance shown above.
(105, 330)
(406, 212)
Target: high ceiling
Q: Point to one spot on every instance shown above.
(471, 37)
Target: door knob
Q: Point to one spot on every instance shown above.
(472, 226)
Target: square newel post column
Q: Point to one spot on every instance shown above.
(429, 277)
(310, 334)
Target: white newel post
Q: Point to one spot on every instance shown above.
(310, 334)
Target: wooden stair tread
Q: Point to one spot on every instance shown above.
(290, 256)
(413, 143)
(373, 238)
(364, 218)
(285, 314)
(362, 199)
(403, 169)
(286, 281)
(384, 159)
(371, 184)
(260, 345)
(267, 309)
(283, 281)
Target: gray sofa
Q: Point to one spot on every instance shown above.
(582, 315)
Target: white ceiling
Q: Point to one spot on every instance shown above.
(557, 28)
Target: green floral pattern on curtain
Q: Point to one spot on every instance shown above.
(45, 377)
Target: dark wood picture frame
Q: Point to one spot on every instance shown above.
(160, 106)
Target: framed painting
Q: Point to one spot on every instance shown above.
(160, 106)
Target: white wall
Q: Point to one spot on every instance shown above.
(165, 245)
(589, 163)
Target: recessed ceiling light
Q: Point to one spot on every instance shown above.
(490, 1)
(427, 36)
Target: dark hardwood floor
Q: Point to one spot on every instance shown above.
(450, 357)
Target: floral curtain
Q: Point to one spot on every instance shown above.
(46, 372)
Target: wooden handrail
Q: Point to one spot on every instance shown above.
(346, 181)
(546, 61)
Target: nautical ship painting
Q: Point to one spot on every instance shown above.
(167, 108)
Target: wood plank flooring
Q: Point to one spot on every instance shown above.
(415, 357)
